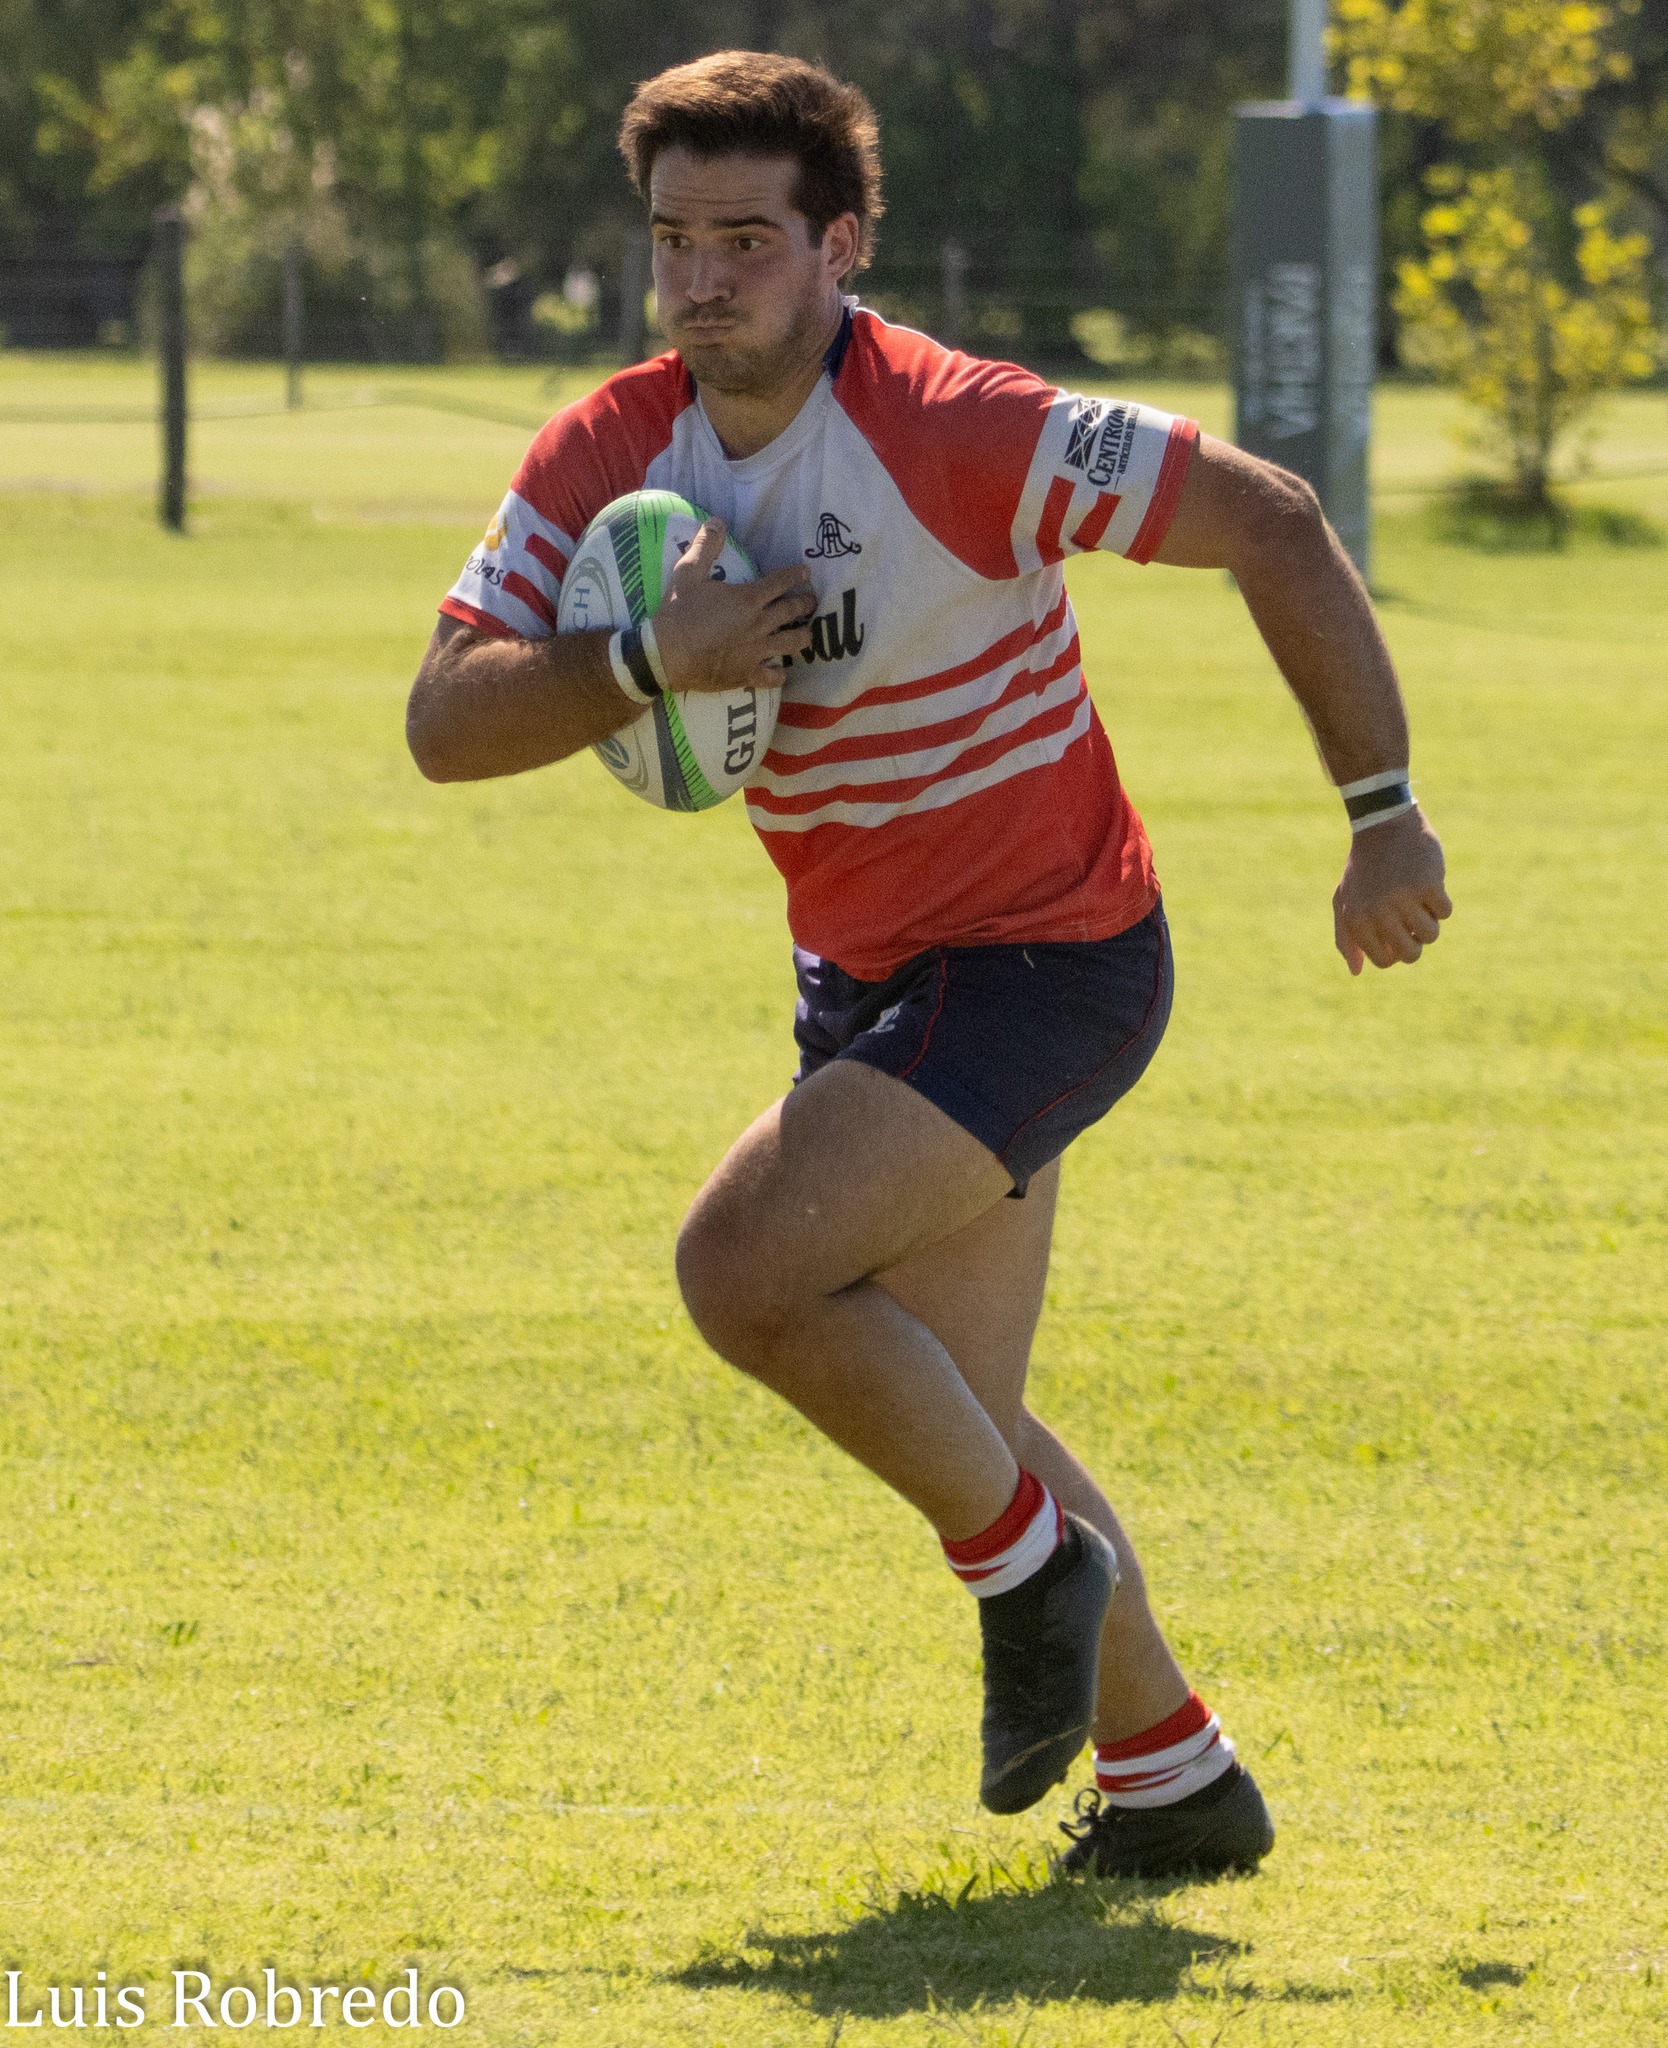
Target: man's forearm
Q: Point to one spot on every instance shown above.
(1309, 604)
(1266, 525)
(483, 706)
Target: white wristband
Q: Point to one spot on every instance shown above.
(1376, 799)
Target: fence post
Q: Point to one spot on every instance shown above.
(636, 275)
(954, 258)
(292, 324)
(170, 268)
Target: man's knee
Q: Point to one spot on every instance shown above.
(733, 1299)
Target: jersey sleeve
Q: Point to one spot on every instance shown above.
(512, 582)
(1008, 473)
(1105, 473)
(588, 455)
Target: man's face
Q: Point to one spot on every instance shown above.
(746, 293)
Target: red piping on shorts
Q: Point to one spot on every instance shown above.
(1111, 1060)
(938, 1011)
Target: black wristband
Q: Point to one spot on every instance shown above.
(637, 661)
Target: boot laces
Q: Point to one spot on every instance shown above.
(1090, 1814)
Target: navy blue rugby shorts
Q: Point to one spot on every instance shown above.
(1023, 1046)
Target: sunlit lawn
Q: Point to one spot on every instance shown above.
(391, 1579)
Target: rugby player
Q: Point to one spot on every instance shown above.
(981, 951)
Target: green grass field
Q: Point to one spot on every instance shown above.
(392, 1579)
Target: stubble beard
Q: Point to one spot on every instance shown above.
(736, 369)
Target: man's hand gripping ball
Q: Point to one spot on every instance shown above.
(729, 636)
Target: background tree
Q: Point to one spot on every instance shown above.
(1075, 148)
(1525, 296)
(1490, 312)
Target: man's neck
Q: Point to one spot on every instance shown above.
(747, 422)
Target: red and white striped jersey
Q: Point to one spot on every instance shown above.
(938, 776)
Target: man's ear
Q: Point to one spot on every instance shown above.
(842, 240)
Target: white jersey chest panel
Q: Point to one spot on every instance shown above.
(893, 604)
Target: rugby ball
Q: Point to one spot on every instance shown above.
(691, 748)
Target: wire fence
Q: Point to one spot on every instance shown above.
(279, 308)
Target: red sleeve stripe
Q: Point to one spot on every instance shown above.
(1172, 473)
(516, 585)
(810, 716)
(483, 622)
(1027, 682)
(901, 791)
(546, 552)
(1095, 521)
(1053, 512)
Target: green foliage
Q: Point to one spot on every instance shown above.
(1115, 345)
(1489, 312)
(359, 130)
(1482, 66)
(1573, 93)
(390, 1576)
(1051, 142)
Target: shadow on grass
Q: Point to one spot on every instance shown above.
(933, 1951)
(1486, 515)
(1492, 1976)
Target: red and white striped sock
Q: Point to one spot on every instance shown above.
(1183, 1754)
(1017, 1544)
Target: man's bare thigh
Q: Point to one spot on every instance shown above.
(850, 1174)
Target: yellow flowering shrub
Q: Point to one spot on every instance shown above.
(1528, 342)
(1479, 66)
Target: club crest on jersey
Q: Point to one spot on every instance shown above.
(1100, 441)
(833, 538)
(493, 539)
(834, 635)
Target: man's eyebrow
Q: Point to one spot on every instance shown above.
(750, 220)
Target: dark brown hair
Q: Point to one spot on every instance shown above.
(745, 102)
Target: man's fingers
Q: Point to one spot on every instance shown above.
(1342, 937)
(1422, 924)
(1438, 902)
(782, 583)
(700, 558)
(792, 607)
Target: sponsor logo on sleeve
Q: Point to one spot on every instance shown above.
(478, 565)
(1084, 420)
(1100, 440)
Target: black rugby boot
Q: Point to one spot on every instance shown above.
(1042, 1657)
(1223, 1826)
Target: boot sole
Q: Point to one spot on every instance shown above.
(1035, 1771)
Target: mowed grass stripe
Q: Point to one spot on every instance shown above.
(396, 1579)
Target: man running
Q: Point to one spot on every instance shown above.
(982, 956)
